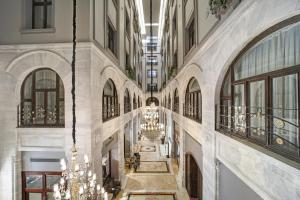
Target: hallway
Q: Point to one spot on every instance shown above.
(155, 178)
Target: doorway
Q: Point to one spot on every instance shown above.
(193, 178)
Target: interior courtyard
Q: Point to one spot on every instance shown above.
(150, 99)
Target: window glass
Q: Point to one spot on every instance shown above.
(239, 109)
(257, 110)
(34, 181)
(35, 196)
(51, 180)
(152, 73)
(285, 112)
(279, 50)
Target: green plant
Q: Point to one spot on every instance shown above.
(218, 7)
(130, 72)
(172, 71)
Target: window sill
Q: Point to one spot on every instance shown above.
(285, 158)
(34, 31)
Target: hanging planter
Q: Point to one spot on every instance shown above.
(219, 7)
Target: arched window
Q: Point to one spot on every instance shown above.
(165, 101)
(151, 100)
(260, 93)
(110, 104)
(193, 101)
(127, 102)
(134, 102)
(176, 101)
(139, 102)
(42, 100)
(169, 101)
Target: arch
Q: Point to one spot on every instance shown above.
(134, 102)
(193, 101)
(266, 73)
(42, 100)
(169, 101)
(152, 100)
(193, 177)
(176, 101)
(139, 102)
(110, 103)
(127, 101)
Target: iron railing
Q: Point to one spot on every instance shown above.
(127, 107)
(112, 111)
(274, 128)
(192, 112)
(40, 116)
(176, 105)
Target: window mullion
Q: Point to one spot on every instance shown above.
(45, 14)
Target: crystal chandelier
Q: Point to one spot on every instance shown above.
(78, 182)
(151, 120)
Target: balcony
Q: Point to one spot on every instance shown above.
(193, 113)
(276, 129)
(28, 117)
(110, 112)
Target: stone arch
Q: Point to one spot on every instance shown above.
(29, 61)
(150, 100)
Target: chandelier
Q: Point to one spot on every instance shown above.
(78, 182)
(151, 119)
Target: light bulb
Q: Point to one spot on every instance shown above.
(86, 159)
(68, 195)
(55, 187)
(62, 181)
(62, 162)
(76, 168)
(98, 187)
(80, 190)
(105, 196)
(102, 190)
(81, 173)
(57, 195)
(90, 173)
(94, 177)
(63, 167)
(84, 186)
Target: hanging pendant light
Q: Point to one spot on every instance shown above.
(78, 182)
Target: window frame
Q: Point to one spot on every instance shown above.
(45, 5)
(33, 101)
(44, 190)
(110, 103)
(225, 115)
(192, 106)
(127, 101)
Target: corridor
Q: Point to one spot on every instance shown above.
(155, 177)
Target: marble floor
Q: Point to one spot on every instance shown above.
(155, 179)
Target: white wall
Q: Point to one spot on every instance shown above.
(265, 173)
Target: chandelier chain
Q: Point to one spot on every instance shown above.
(73, 74)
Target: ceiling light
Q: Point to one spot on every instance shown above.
(162, 9)
(139, 4)
(153, 24)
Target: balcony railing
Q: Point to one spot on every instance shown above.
(40, 117)
(176, 107)
(192, 112)
(127, 107)
(274, 128)
(110, 113)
